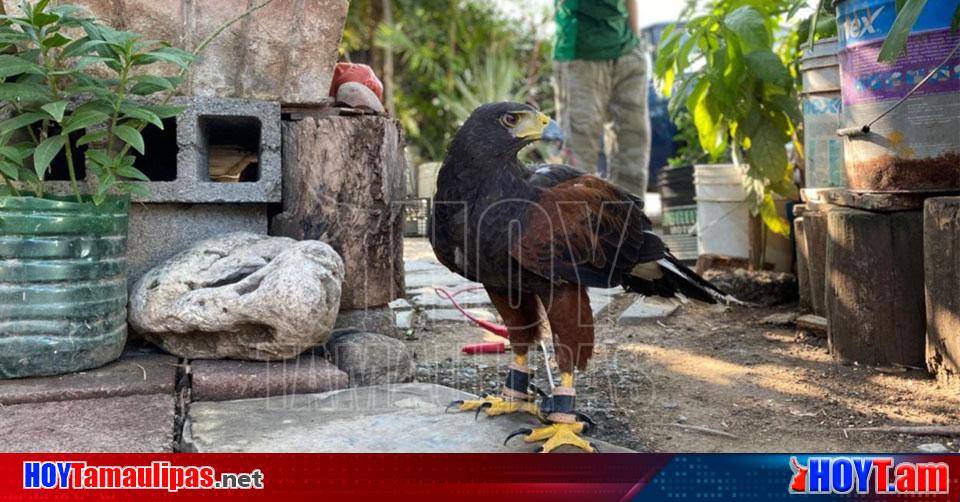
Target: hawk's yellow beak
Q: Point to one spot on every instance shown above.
(539, 126)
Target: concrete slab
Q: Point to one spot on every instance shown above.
(427, 297)
(130, 375)
(435, 278)
(646, 308)
(130, 424)
(406, 418)
(454, 315)
(412, 266)
(599, 302)
(224, 380)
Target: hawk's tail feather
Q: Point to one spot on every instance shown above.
(673, 277)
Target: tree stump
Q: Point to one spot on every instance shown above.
(343, 184)
(941, 255)
(875, 286)
(815, 238)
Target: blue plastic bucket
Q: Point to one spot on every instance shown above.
(916, 147)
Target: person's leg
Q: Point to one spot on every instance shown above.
(582, 89)
(630, 148)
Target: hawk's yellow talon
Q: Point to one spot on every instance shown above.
(557, 435)
(496, 405)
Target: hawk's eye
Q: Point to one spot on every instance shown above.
(510, 120)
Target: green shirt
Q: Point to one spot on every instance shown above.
(593, 29)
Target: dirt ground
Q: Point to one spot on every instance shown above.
(774, 389)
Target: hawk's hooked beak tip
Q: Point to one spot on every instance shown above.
(552, 132)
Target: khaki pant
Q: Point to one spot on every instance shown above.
(611, 95)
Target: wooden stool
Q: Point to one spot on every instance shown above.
(941, 255)
(874, 274)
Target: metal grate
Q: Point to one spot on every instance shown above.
(415, 212)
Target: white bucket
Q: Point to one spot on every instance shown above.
(723, 214)
(427, 179)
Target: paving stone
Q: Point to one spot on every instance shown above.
(405, 319)
(371, 358)
(435, 278)
(411, 266)
(454, 315)
(427, 297)
(407, 418)
(141, 424)
(400, 304)
(647, 307)
(599, 302)
(607, 291)
(132, 374)
(223, 380)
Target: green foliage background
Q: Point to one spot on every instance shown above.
(450, 55)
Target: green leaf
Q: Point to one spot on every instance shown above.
(178, 57)
(11, 65)
(773, 220)
(156, 81)
(92, 137)
(134, 189)
(767, 66)
(132, 172)
(11, 154)
(130, 136)
(897, 37)
(82, 47)
(10, 170)
(55, 109)
(83, 119)
(56, 40)
(708, 120)
(955, 23)
(20, 92)
(748, 24)
(19, 121)
(768, 151)
(98, 158)
(144, 115)
(45, 153)
(164, 111)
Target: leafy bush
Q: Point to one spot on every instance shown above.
(64, 73)
(740, 91)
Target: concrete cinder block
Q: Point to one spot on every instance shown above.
(209, 121)
(158, 231)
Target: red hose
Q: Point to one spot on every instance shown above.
(496, 329)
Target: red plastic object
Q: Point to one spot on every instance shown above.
(485, 348)
(352, 72)
(496, 329)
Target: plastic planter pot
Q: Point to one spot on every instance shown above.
(63, 290)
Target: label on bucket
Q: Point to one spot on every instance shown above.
(863, 26)
(822, 146)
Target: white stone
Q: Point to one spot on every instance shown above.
(933, 448)
(240, 295)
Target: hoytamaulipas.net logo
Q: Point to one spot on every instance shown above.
(868, 475)
(156, 476)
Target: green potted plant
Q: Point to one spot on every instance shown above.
(724, 63)
(74, 91)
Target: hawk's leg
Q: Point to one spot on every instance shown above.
(523, 316)
(514, 396)
(571, 320)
